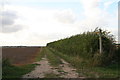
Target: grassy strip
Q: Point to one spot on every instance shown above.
(10, 71)
(41, 54)
(112, 71)
(53, 59)
(51, 75)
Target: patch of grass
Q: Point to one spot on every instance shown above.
(41, 54)
(75, 61)
(53, 59)
(60, 70)
(10, 71)
(111, 71)
(52, 75)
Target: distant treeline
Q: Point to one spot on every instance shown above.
(86, 46)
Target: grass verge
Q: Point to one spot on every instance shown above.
(111, 71)
(41, 54)
(53, 59)
(52, 75)
(10, 71)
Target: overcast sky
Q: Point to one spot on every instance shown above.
(37, 22)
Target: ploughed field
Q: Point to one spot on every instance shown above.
(20, 55)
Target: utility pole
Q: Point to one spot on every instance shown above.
(100, 40)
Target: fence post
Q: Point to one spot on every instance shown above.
(100, 40)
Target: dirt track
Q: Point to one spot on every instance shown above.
(45, 68)
(42, 69)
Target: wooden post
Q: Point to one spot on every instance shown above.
(100, 40)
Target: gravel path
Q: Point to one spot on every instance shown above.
(69, 71)
(42, 68)
(64, 70)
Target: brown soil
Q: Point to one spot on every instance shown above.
(20, 56)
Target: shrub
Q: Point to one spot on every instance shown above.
(86, 45)
(6, 62)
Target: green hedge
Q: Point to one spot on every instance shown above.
(86, 45)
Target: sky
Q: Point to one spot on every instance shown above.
(38, 22)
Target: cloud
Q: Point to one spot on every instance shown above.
(11, 29)
(66, 16)
(107, 4)
(42, 25)
(8, 22)
(96, 16)
(8, 17)
(93, 16)
(91, 8)
(38, 1)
